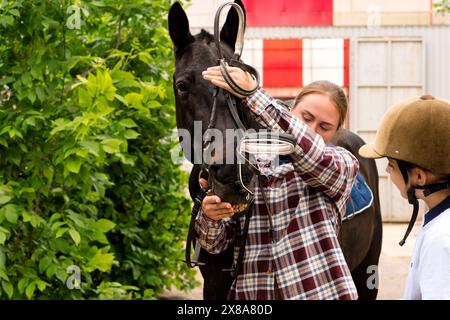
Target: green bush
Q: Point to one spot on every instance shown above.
(86, 181)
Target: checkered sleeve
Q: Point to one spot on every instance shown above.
(328, 169)
(214, 236)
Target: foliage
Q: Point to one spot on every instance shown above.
(442, 7)
(85, 183)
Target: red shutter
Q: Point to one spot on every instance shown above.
(289, 12)
(282, 63)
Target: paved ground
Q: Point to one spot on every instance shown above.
(393, 267)
(395, 260)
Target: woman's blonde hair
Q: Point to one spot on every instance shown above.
(329, 89)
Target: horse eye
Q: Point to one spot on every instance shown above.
(182, 87)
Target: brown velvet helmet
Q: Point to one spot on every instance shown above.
(416, 130)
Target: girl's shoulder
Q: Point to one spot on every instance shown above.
(437, 232)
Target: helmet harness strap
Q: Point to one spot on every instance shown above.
(412, 199)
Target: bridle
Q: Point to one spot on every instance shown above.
(248, 143)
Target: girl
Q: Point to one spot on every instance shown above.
(415, 137)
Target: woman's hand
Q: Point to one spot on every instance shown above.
(213, 207)
(242, 78)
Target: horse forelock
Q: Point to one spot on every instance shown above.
(204, 36)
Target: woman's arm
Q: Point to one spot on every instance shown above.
(214, 236)
(327, 169)
(214, 228)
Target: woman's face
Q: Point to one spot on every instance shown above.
(319, 113)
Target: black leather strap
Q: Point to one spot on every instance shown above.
(191, 234)
(412, 200)
(235, 61)
(242, 240)
(233, 85)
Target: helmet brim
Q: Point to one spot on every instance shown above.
(368, 151)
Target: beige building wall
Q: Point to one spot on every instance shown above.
(373, 13)
(370, 13)
(201, 14)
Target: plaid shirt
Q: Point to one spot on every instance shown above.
(307, 197)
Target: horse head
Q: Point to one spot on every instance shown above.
(194, 101)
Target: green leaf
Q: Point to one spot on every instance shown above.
(3, 142)
(3, 274)
(60, 232)
(40, 94)
(6, 80)
(111, 145)
(92, 146)
(48, 173)
(6, 20)
(15, 12)
(14, 158)
(8, 288)
(104, 225)
(73, 164)
(22, 284)
(134, 98)
(3, 235)
(101, 261)
(153, 104)
(29, 291)
(61, 274)
(41, 285)
(13, 132)
(32, 95)
(4, 199)
(10, 212)
(75, 236)
(51, 270)
(2, 258)
(44, 263)
(106, 85)
(131, 134)
(84, 98)
(128, 123)
(55, 226)
(26, 79)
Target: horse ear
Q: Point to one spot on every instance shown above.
(230, 28)
(179, 27)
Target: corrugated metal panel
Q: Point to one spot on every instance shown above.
(436, 39)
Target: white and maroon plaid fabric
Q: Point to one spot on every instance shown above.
(307, 198)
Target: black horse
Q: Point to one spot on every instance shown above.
(360, 237)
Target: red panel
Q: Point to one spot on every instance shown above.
(289, 12)
(282, 63)
(346, 63)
